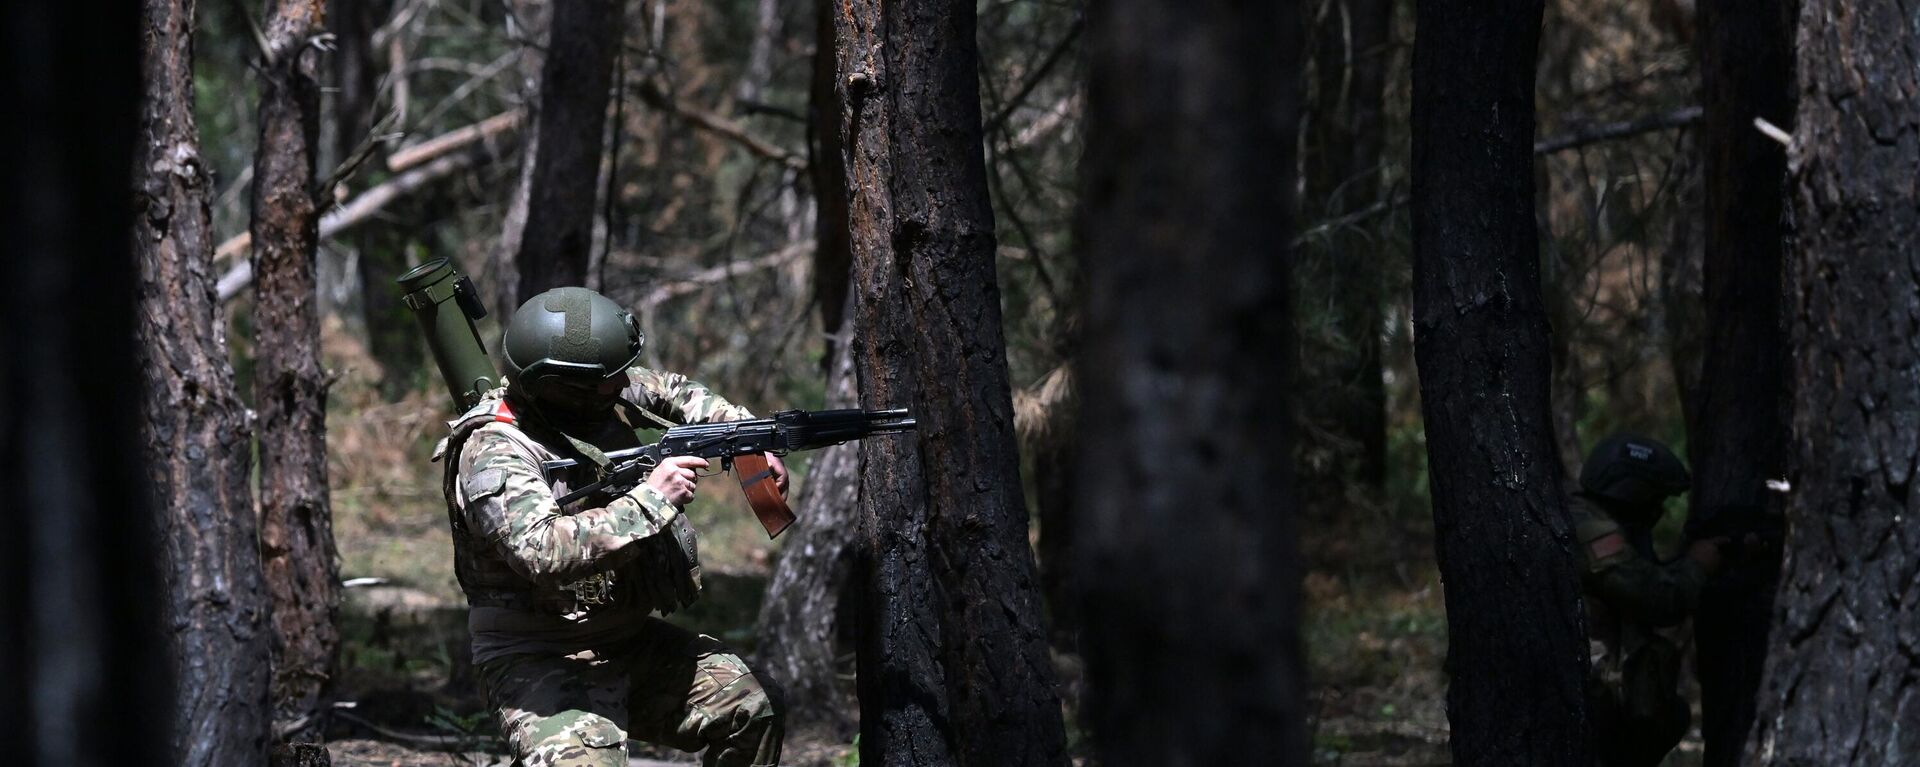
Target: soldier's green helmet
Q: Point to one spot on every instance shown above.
(1633, 470)
(564, 346)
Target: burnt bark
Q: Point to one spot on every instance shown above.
(1191, 587)
(1842, 683)
(1343, 271)
(81, 639)
(560, 184)
(1516, 634)
(290, 386)
(195, 430)
(953, 662)
(1739, 434)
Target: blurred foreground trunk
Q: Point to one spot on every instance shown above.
(290, 387)
(953, 661)
(1516, 634)
(82, 653)
(1190, 575)
(1842, 682)
(1738, 439)
(549, 228)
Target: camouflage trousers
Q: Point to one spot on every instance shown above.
(666, 686)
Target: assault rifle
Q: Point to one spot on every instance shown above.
(740, 445)
(1736, 524)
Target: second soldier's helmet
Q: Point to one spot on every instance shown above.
(1633, 470)
(567, 348)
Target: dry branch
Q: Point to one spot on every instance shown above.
(406, 158)
(356, 211)
(1597, 132)
(721, 126)
(692, 282)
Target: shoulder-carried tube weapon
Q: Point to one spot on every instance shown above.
(740, 445)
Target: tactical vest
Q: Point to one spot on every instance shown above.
(665, 576)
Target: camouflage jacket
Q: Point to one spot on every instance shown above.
(1630, 593)
(516, 548)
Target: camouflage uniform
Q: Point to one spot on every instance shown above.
(1632, 694)
(560, 599)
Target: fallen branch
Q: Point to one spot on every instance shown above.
(692, 282)
(408, 157)
(348, 216)
(442, 145)
(720, 126)
(1594, 133)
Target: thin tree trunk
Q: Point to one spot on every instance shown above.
(1516, 635)
(556, 209)
(1344, 271)
(806, 620)
(196, 431)
(1190, 573)
(1842, 682)
(393, 340)
(81, 639)
(1739, 438)
(953, 665)
(808, 610)
(290, 388)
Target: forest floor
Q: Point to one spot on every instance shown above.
(1374, 627)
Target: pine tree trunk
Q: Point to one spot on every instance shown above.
(290, 388)
(1185, 538)
(564, 150)
(953, 664)
(1739, 437)
(807, 616)
(1516, 635)
(196, 431)
(393, 338)
(806, 620)
(81, 601)
(1842, 683)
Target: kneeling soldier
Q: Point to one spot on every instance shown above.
(1634, 600)
(561, 598)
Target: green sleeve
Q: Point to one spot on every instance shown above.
(679, 399)
(509, 506)
(1637, 587)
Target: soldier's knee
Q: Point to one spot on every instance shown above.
(570, 739)
(755, 726)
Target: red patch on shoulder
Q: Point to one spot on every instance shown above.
(503, 414)
(1606, 546)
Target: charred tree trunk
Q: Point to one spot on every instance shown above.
(1739, 438)
(1191, 587)
(1843, 679)
(81, 642)
(953, 663)
(197, 437)
(1343, 270)
(1516, 635)
(290, 388)
(560, 184)
(806, 621)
